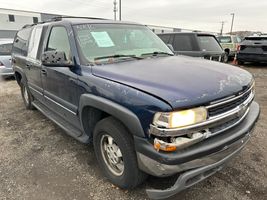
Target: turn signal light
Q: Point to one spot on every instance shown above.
(163, 146)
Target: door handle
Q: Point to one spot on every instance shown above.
(28, 65)
(44, 72)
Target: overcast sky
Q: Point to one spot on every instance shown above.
(189, 14)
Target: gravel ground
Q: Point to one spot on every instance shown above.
(39, 161)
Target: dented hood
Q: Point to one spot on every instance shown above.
(178, 80)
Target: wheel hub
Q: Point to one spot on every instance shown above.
(112, 155)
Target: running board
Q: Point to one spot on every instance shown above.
(67, 127)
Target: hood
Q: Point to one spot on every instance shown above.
(180, 81)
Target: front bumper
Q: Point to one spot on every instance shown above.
(244, 57)
(198, 160)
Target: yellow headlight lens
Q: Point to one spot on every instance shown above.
(181, 118)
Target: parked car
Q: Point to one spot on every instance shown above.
(5, 58)
(117, 85)
(230, 44)
(202, 45)
(252, 49)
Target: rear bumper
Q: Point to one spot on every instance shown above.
(4, 71)
(252, 57)
(198, 161)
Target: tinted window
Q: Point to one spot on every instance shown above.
(11, 18)
(183, 43)
(224, 39)
(59, 41)
(35, 20)
(256, 38)
(208, 43)
(5, 49)
(165, 38)
(21, 41)
(34, 42)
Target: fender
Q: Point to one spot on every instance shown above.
(127, 117)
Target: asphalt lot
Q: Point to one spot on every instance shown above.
(39, 161)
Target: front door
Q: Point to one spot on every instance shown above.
(33, 64)
(60, 83)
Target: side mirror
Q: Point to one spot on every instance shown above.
(170, 47)
(55, 59)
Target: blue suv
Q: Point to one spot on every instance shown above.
(146, 111)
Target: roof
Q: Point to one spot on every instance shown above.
(187, 33)
(82, 20)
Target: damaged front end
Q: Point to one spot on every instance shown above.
(199, 146)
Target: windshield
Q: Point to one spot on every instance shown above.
(208, 43)
(104, 40)
(224, 39)
(5, 49)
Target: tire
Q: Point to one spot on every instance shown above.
(128, 176)
(226, 57)
(26, 96)
(240, 62)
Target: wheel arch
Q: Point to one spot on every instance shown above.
(94, 108)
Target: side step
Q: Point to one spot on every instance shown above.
(67, 127)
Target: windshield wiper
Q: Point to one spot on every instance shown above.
(118, 56)
(155, 53)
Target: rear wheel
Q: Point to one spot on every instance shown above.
(115, 153)
(26, 96)
(240, 62)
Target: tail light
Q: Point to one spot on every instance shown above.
(238, 48)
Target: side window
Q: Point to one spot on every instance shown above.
(5, 49)
(34, 42)
(59, 41)
(20, 45)
(238, 39)
(183, 43)
(235, 39)
(165, 38)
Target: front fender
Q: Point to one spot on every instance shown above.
(127, 117)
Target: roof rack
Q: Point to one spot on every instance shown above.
(59, 18)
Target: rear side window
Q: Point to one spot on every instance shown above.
(225, 39)
(184, 43)
(34, 42)
(165, 38)
(59, 41)
(208, 43)
(5, 49)
(20, 45)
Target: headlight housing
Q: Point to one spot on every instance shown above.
(180, 119)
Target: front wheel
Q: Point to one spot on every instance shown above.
(26, 96)
(115, 153)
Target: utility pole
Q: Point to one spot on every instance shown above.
(115, 10)
(233, 18)
(120, 10)
(223, 22)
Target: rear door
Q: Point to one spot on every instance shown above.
(60, 83)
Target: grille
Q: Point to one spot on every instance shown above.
(222, 108)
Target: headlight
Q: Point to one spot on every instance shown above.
(180, 118)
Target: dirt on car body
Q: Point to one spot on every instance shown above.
(39, 161)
